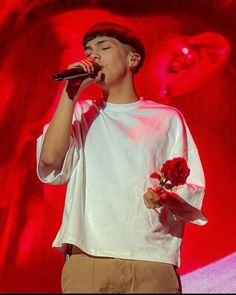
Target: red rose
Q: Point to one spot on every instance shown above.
(176, 171)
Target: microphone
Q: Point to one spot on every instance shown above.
(76, 73)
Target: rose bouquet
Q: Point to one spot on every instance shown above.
(173, 173)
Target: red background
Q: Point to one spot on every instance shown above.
(39, 39)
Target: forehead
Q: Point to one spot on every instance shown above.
(100, 40)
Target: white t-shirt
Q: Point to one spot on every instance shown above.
(113, 151)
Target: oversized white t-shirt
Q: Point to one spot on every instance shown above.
(114, 149)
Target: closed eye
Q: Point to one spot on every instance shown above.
(104, 48)
(88, 53)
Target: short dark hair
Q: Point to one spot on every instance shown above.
(119, 32)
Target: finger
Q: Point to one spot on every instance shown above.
(84, 64)
(100, 76)
(91, 61)
(151, 200)
(149, 204)
(150, 190)
(153, 193)
(148, 196)
(74, 65)
(89, 64)
(159, 189)
(156, 190)
(146, 202)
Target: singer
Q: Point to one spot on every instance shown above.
(121, 232)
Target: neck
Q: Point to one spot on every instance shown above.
(121, 93)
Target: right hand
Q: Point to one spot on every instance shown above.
(74, 86)
(153, 197)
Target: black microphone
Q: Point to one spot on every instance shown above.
(78, 72)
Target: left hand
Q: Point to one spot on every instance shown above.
(153, 197)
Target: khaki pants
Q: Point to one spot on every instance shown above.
(86, 274)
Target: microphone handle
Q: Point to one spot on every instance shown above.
(76, 73)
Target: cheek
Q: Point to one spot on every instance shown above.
(116, 66)
(117, 60)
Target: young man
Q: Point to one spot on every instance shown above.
(121, 229)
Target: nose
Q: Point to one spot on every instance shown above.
(95, 55)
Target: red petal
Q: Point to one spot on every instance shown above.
(155, 175)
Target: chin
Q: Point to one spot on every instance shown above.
(105, 83)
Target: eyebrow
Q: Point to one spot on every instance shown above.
(97, 43)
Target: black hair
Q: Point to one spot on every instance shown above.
(119, 32)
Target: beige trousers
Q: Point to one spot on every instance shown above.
(84, 274)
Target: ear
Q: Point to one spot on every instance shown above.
(201, 56)
(213, 49)
(134, 59)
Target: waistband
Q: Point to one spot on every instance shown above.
(74, 250)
